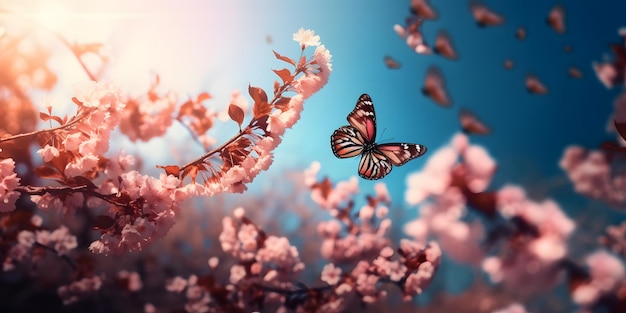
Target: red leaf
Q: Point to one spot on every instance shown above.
(285, 75)
(621, 128)
(282, 103)
(284, 58)
(260, 109)
(170, 169)
(45, 171)
(76, 101)
(302, 62)
(257, 94)
(235, 113)
(203, 96)
(59, 120)
(103, 222)
(44, 116)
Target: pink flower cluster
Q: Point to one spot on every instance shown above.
(148, 116)
(147, 213)
(59, 241)
(79, 143)
(606, 276)
(412, 268)
(8, 182)
(535, 245)
(593, 175)
(449, 175)
(198, 297)
(531, 236)
(273, 258)
(615, 238)
(361, 241)
(79, 289)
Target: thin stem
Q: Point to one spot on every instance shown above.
(33, 133)
(39, 191)
(66, 258)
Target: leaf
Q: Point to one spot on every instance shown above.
(170, 169)
(203, 96)
(257, 94)
(45, 171)
(260, 109)
(285, 75)
(78, 181)
(235, 113)
(284, 58)
(44, 116)
(276, 87)
(302, 62)
(621, 128)
(191, 171)
(103, 222)
(282, 103)
(76, 101)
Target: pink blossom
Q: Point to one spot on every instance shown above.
(606, 73)
(132, 279)
(8, 182)
(177, 284)
(48, 153)
(79, 289)
(278, 251)
(148, 117)
(26, 238)
(417, 281)
(331, 274)
(592, 175)
(513, 308)
(60, 239)
(237, 273)
(434, 177)
(306, 38)
(213, 262)
(247, 235)
(382, 193)
(606, 274)
(481, 168)
(330, 229)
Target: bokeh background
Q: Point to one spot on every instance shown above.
(219, 47)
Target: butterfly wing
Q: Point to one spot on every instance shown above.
(400, 153)
(374, 165)
(347, 142)
(363, 118)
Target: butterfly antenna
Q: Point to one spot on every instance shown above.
(382, 134)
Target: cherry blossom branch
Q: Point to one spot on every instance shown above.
(63, 190)
(71, 123)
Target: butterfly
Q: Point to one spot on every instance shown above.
(359, 137)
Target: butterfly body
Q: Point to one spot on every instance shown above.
(359, 138)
